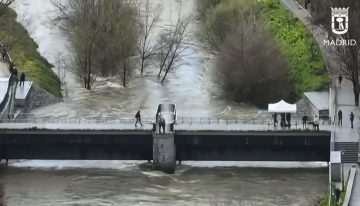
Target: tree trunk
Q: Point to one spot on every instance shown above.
(356, 85)
(163, 79)
(88, 82)
(124, 74)
(356, 94)
(142, 66)
(142, 62)
(167, 70)
(160, 72)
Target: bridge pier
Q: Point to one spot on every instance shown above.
(164, 152)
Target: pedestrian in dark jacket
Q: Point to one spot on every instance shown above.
(22, 79)
(3, 54)
(138, 118)
(304, 121)
(162, 124)
(275, 118)
(15, 72)
(340, 80)
(288, 120)
(316, 123)
(340, 117)
(352, 120)
(282, 120)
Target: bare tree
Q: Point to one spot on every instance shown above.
(127, 49)
(103, 36)
(82, 20)
(172, 43)
(60, 66)
(349, 56)
(4, 4)
(349, 66)
(247, 73)
(148, 20)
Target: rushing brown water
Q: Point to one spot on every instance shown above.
(136, 184)
(190, 86)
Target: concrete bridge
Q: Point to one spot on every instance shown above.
(121, 141)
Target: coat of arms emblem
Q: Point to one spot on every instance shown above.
(339, 20)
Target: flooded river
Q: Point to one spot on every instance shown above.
(190, 86)
(45, 183)
(133, 183)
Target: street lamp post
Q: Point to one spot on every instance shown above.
(342, 171)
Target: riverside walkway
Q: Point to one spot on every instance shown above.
(355, 197)
(344, 98)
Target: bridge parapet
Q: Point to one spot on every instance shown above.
(183, 123)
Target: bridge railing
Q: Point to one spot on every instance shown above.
(28, 118)
(79, 120)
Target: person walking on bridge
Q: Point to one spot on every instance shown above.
(340, 117)
(352, 120)
(138, 118)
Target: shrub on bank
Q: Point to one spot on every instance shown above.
(23, 51)
(305, 67)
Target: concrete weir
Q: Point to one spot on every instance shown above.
(165, 149)
(164, 152)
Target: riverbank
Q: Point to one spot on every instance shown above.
(26, 58)
(306, 64)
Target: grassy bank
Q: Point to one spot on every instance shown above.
(306, 64)
(325, 200)
(23, 51)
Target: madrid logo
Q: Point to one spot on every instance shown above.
(340, 26)
(340, 20)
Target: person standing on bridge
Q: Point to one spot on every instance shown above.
(282, 120)
(275, 118)
(288, 120)
(22, 79)
(316, 123)
(304, 121)
(138, 118)
(162, 124)
(352, 120)
(340, 117)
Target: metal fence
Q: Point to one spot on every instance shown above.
(27, 118)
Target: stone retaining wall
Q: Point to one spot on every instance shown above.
(40, 97)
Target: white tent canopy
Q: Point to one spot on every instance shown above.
(282, 107)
